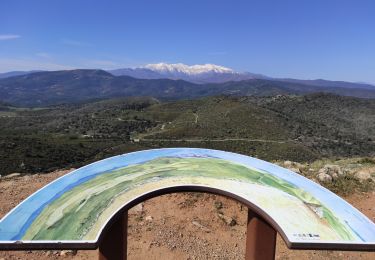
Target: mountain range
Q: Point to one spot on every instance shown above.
(206, 73)
(200, 74)
(163, 81)
(210, 73)
(16, 73)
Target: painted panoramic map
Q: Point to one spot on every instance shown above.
(77, 206)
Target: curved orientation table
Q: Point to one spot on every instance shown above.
(77, 210)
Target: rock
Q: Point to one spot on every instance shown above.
(332, 170)
(294, 166)
(228, 220)
(196, 223)
(298, 165)
(323, 170)
(12, 175)
(363, 175)
(218, 205)
(136, 209)
(288, 164)
(337, 169)
(63, 253)
(296, 170)
(26, 178)
(149, 218)
(68, 252)
(323, 177)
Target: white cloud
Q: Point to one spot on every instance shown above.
(4, 37)
(13, 64)
(44, 61)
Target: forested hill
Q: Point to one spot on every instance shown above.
(297, 128)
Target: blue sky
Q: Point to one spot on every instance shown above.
(331, 39)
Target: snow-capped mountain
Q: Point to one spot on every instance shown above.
(211, 73)
(186, 69)
(206, 73)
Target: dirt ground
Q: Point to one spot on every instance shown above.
(177, 226)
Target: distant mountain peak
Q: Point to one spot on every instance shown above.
(211, 73)
(186, 69)
(200, 73)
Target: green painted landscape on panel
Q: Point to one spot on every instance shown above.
(73, 215)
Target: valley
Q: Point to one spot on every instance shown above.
(288, 127)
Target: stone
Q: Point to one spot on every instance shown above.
(288, 164)
(362, 175)
(228, 220)
(293, 166)
(323, 170)
(63, 253)
(68, 253)
(336, 169)
(12, 175)
(296, 170)
(26, 178)
(196, 223)
(136, 209)
(149, 218)
(323, 177)
(365, 174)
(332, 170)
(298, 165)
